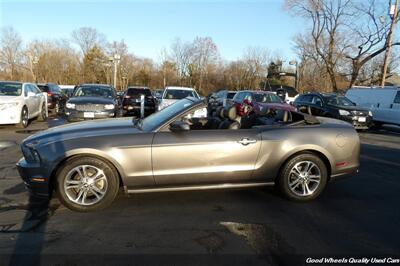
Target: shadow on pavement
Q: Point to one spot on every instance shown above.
(30, 231)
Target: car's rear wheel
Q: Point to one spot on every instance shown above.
(303, 177)
(87, 184)
(24, 121)
(43, 114)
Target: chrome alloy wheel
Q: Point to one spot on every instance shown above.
(85, 185)
(24, 117)
(304, 178)
(44, 114)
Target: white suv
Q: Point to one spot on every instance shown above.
(173, 94)
(20, 102)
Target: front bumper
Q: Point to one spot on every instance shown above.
(35, 181)
(358, 122)
(74, 115)
(10, 116)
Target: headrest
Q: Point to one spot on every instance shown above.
(228, 112)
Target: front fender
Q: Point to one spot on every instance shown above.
(91, 152)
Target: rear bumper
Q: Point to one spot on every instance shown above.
(34, 179)
(345, 173)
(135, 109)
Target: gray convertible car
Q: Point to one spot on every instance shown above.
(86, 163)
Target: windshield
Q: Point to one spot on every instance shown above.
(340, 101)
(267, 98)
(43, 88)
(157, 119)
(231, 95)
(10, 89)
(94, 91)
(134, 92)
(179, 94)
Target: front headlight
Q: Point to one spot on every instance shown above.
(369, 113)
(5, 106)
(344, 112)
(70, 105)
(30, 154)
(109, 106)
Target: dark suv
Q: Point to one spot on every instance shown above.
(91, 101)
(131, 101)
(56, 99)
(335, 106)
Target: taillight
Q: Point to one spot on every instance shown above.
(127, 97)
(49, 94)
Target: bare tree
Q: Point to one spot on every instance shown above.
(87, 38)
(167, 68)
(181, 54)
(328, 18)
(369, 35)
(10, 50)
(204, 52)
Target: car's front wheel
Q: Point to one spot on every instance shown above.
(87, 184)
(303, 177)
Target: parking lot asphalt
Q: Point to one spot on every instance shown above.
(357, 216)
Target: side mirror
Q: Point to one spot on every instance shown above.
(179, 126)
(31, 94)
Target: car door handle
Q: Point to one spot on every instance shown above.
(246, 141)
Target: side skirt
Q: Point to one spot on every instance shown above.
(199, 187)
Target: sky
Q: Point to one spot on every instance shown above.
(149, 26)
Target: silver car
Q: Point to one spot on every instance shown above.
(173, 150)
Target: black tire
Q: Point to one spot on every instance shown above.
(24, 122)
(43, 114)
(376, 125)
(111, 184)
(287, 177)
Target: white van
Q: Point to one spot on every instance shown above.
(383, 102)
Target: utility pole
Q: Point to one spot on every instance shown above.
(296, 77)
(115, 59)
(393, 9)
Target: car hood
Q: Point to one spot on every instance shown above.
(7, 99)
(351, 108)
(83, 130)
(91, 100)
(281, 106)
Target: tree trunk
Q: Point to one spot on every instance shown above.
(332, 78)
(354, 73)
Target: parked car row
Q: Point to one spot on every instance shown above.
(361, 107)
